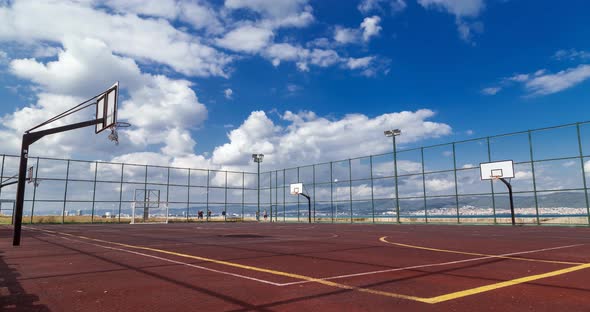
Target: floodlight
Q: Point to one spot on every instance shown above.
(394, 132)
(257, 157)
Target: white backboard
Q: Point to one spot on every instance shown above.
(497, 169)
(296, 188)
(106, 108)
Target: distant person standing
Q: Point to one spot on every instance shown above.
(265, 215)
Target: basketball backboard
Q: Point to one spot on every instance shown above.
(106, 108)
(296, 188)
(497, 169)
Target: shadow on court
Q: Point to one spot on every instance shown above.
(12, 295)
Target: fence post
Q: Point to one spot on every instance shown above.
(188, 194)
(331, 192)
(456, 186)
(372, 190)
(534, 177)
(207, 204)
(350, 186)
(298, 208)
(121, 191)
(492, 182)
(424, 184)
(243, 192)
(63, 211)
(583, 171)
(2, 176)
(34, 190)
(314, 193)
(225, 202)
(94, 191)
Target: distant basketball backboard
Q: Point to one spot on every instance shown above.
(296, 188)
(497, 169)
(106, 108)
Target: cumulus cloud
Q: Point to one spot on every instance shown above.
(126, 34)
(370, 27)
(310, 138)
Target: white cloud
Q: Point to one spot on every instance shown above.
(308, 138)
(553, 83)
(228, 93)
(459, 8)
(247, 38)
(126, 34)
(541, 82)
(587, 167)
(367, 6)
(370, 27)
(346, 35)
(356, 63)
(572, 55)
(491, 90)
(438, 185)
(79, 69)
(462, 10)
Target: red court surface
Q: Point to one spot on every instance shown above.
(295, 267)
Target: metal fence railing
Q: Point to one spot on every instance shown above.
(438, 183)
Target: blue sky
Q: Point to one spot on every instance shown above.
(296, 69)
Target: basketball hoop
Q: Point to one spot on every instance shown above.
(114, 136)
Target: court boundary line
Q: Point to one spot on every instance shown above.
(384, 240)
(435, 264)
(429, 300)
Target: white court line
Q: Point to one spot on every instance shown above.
(432, 264)
(172, 261)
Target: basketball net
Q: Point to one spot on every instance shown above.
(114, 136)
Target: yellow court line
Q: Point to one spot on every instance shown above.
(384, 239)
(477, 290)
(431, 300)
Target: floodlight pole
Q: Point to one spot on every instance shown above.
(28, 139)
(393, 133)
(308, 205)
(258, 159)
(511, 199)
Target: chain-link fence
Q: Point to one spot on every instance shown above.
(70, 191)
(439, 183)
